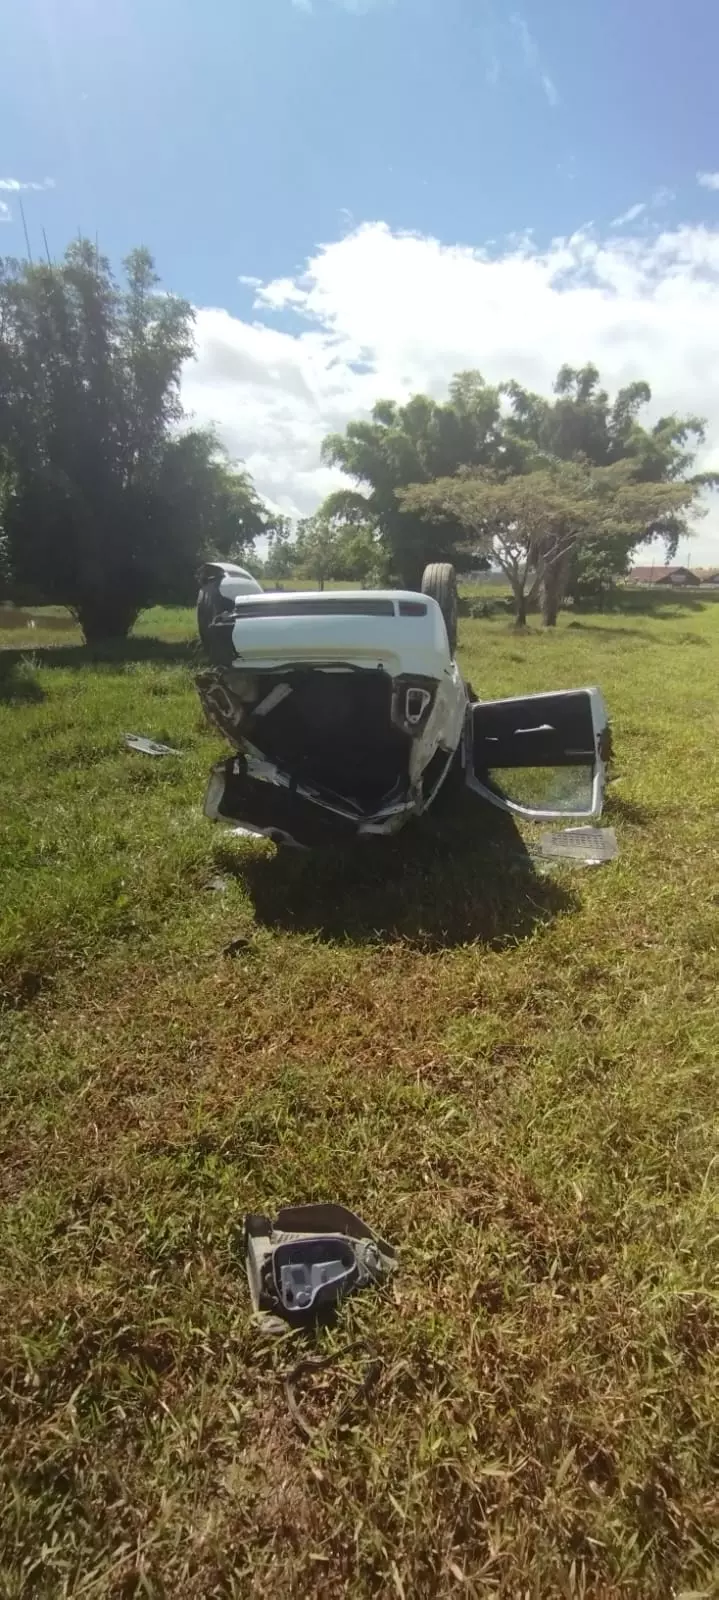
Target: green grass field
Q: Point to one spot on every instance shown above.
(512, 1076)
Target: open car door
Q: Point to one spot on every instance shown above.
(542, 755)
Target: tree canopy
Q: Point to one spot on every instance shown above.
(435, 478)
(532, 523)
(417, 443)
(108, 505)
(105, 505)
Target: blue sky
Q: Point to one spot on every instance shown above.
(542, 158)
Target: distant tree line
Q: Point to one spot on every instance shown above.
(109, 504)
(557, 492)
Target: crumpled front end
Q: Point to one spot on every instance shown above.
(327, 753)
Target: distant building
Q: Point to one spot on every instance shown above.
(668, 577)
(708, 575)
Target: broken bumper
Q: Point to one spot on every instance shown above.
(261, 799)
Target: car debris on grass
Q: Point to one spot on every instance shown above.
(302, 1264)
(149, 747)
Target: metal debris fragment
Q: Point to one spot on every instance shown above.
(588, 846)
(149, 747)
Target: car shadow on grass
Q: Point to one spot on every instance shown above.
(464, 878)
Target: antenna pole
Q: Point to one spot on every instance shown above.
(24, 225)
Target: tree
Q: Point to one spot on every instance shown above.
(318, 548)
(596, 568)
(505, 431)
(417, 443)
(361, 556)
(339, 542)
(107, 508)
(281, 558)
(580, 424)
(532, 522)
(209, 506)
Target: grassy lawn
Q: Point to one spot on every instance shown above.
(512, 1076)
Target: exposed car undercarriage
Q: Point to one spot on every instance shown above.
(343, 737)
(347, 714)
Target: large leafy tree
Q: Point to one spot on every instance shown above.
(281, 558)
(504, 433)
(532, 522)
(317, 550)
(414, 444)
(106, 507)
(327, 547)
(581, 424)
(207, 506)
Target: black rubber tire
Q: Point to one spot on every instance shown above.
(439, 580)
(210, 604)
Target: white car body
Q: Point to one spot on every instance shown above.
(347, 713)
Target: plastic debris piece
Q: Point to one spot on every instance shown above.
(276, 835)
(149, 747)
(589, 846)
(301, 1264)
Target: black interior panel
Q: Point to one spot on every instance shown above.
(552, 730)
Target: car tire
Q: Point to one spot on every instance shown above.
(210, 604)
(439, 581)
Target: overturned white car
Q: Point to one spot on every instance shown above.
(348, 714)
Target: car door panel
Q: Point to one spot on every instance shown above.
(541, 756)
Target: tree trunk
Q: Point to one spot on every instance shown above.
(550, 605)
(520, 616)
(104, 618)
(554, 587)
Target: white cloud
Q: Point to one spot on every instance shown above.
(493, 69)
(660, 197)
(5, 212)
(381, 314)
(531, 57)
(708, 180)
(630, 215)
(15, 186)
